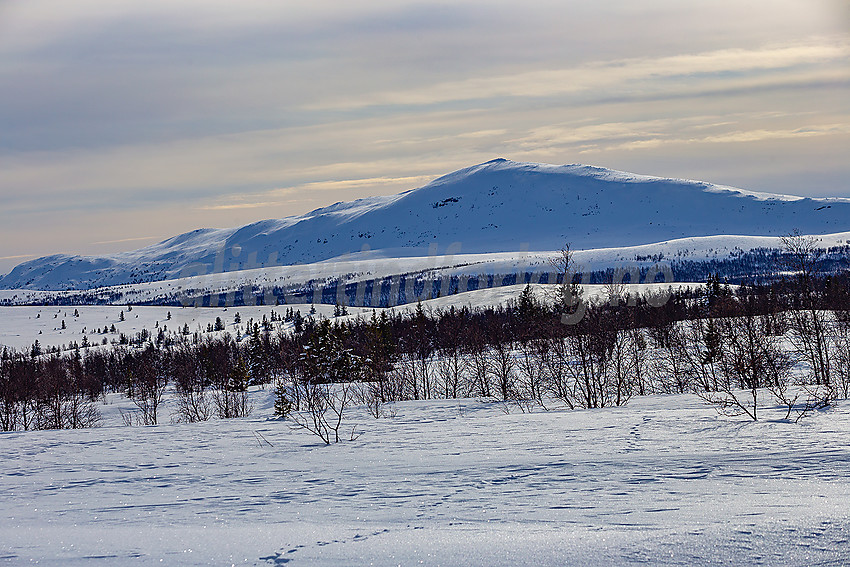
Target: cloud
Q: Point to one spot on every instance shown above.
(18, 257)
(123, 240)
(727, 65)
(411, 181)
(649, 140)
(373, 184)
(231, 206)
(750, 136)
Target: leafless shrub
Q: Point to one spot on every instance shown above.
(802, 401)
(452, 372)
(502, 368)
(369, 394)
(60, 404)
(231, 400)
(531, 371)
(841, 366)
(193, 405)
(231, 403)
(524, 405)
(596, 379)
(811, 327)
(147, 395)
(753, 366)
(325, 407)
(128, 418)
(568, 295)
(194, 402)
(812, 334)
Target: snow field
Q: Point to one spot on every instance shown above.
(662, 481)
(20, 326)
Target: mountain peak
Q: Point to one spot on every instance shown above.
(496, 206)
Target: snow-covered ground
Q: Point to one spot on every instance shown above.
(20, 327)
(662, 481)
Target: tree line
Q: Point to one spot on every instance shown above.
(714, 340)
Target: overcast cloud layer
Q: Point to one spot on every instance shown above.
(123, 123)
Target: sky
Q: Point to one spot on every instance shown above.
(123, 123)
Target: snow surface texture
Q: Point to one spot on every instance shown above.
(498, 206)
(663, 481)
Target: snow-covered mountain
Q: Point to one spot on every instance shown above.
(497, 206)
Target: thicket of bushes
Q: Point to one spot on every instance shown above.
(713, 341)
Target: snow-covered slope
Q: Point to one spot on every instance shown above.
(498, 206)
(279, 283)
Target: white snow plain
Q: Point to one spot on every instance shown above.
(662, 481)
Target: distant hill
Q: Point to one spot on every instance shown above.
(497, 206)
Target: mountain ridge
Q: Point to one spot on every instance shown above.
(495, 206)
